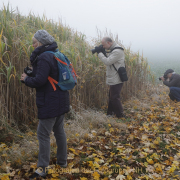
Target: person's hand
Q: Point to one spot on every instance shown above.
(100, 49)
(103, 51)
(23, 76)
(162, 78)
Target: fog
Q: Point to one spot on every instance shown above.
(149, 26)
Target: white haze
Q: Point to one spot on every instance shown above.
(149, 26)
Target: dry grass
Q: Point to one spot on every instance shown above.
(88, 120)
(16, 34)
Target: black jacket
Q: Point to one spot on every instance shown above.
(50, 103)
(174, 81)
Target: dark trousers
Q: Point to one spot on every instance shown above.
(115, 105)
(174, 93)
(45, 127)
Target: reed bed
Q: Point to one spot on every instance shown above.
(18, 101)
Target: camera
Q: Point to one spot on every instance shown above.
(93, 51)
(28, 71)
(98, 48)
(165, 78)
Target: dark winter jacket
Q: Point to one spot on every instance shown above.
(174, 81)
(50, 103)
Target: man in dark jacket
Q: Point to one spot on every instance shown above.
(52, 105)
(172, 80)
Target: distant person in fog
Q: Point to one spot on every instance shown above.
(172, 80)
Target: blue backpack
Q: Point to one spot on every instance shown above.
(67, 75)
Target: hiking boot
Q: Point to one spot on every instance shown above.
(36, 175)
(62, 166)
(122, 116)
(40, 172)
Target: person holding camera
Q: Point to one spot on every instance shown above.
(113, 60)
(172, 80)
(52, 105)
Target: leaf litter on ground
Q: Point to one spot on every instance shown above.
(146, 145)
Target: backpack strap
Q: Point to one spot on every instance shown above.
(60, 60)
(73, 73)
(52, 52)
(52, 81)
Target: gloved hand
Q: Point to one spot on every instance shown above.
(100, 49)
(103, 51)
(28, 71)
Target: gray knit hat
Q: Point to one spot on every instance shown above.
(167, 72)
(44, 37)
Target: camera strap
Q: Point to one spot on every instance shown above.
(35, 60)
(114, 67)
(113, 50)
(117, 48)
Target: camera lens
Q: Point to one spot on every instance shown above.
(93, 51)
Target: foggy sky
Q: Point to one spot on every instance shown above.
(148, 26)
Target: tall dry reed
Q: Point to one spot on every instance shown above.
(18, 101)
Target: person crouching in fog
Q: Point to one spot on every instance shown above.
(172, 80)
